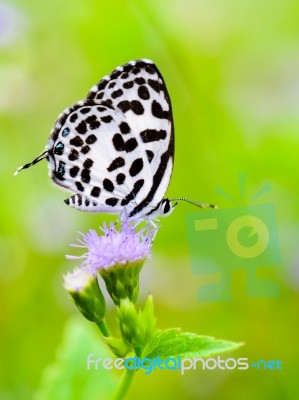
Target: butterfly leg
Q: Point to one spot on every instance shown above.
(124, 215)
(151, 224)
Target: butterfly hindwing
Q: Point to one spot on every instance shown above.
(86, 159)
(114, 150)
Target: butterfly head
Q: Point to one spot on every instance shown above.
(163, 209)
(166, 207)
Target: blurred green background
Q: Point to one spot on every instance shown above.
(232, 70)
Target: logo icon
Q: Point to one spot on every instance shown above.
(241, 238)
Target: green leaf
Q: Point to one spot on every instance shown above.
(174, 343)
(68, 377)
(149, 348)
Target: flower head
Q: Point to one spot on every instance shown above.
(137, 327)
(86, 293)
(118, 256)
(114, 247)
(76, 280)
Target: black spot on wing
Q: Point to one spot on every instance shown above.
(131, 145)
(139, 81)
(85, 110)
(79, 186)
(135, 71)
(81, 127)
(143, 93)
(127, 67)
(102, 84)
(134, 105)
(150, 155)
(88, 163)
(85, 175)
(74, 117)
(128, 85)
(124, 128)
(154, 85)
(112, 201)
(74, 155)
(85, 149)
(108, 185)
(93, 122)
(107, 119)
(150, 69)
(58, 176)
(124, 106)
(136, 167)
(100, 95)
(158, 111)
(79, 199)
(116, 163)
(152, 135)
(120, 178)
(60, 170)
(120, 145)
(137, 107)
(74, 171)
(115, 74)
(95, 191)
(59, 149)
(118, 142)
(91, 139)
(117, 93)
(76, 141)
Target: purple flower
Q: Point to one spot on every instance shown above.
(118, 256)
(114, 246)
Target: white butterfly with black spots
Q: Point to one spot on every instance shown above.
(115, 149)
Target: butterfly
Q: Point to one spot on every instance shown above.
(115, 149)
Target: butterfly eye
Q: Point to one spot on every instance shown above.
(65, 132)
(166, 207)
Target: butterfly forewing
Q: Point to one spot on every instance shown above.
(115, 149)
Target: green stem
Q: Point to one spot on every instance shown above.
(124, 385)
(103, 327)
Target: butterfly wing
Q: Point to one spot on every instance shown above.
(115, 149)
(138, 89)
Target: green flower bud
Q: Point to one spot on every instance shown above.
(137, 327)
(118, 346)
(122, 280)
(86, 293)
(148, 320)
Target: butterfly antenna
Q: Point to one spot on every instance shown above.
(38, 159)
(194, 202)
